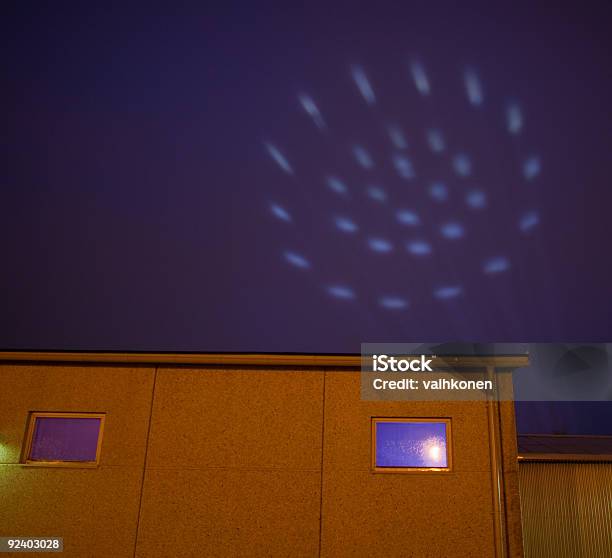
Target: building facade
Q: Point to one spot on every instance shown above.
(249, 455)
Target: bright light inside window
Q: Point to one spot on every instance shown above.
(406, 443)
(434, 453)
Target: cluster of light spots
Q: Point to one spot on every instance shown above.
(346, 225)
(297, 260)
(408, 217)
(514, 118)
(279, 158)
(363, 84)
(380, 245)
(336, 185)
(476, 199)
(280, 212)
(473, 87)
(531, 168)
(435, 140)
(447, 292)
(452, 231)
(312, 110)
(377, 194)
(397, 136)
(438, 191)
(419, 248)
(462, 164)
(403, 166)
(341, 291)
(420, 78)
(529, 220)
(497, 264)
(393, 302)
(363, 157)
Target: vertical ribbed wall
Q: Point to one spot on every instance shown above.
(566, 509)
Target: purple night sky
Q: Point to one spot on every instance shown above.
(142, 210)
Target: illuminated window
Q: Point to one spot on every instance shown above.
(409, 444)
(64, 439)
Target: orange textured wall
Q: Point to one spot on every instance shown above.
(95, 510)
(239, 461)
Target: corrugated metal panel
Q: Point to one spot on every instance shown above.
(566, 509)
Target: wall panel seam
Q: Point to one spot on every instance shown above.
(322, 462)
(144, 464)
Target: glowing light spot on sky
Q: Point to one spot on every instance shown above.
(393, 302)
(377, 194)
(531, 168)
(435, 140)
(346, 225)
(447, 292)
(279, 158)
(397, 136)
(363, 84)
(496, 265)
(312, 110)
(420, 78)
(452, 231)
(336, 185)
(403, 166)
(438, 191)
(363, 157)
(529, 220)
(476, 199)
(280, 213)
(473, 87)
(380, 245)
(297, 260)
(462, 164)
(514, 118)
(342, 292)
(419, 248)
(408, 217)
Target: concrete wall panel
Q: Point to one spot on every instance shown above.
(95, 510)
(191, 513)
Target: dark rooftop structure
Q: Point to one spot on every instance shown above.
(560, 447)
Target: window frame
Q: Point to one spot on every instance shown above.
(27, 447)
(449, 445)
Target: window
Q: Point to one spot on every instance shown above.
(64, 439)
(410, 444)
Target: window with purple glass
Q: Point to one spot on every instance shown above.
(410, 444)
(64, 438)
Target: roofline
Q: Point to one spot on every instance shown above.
(247, 359)
(566, 457)
(606, 436)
